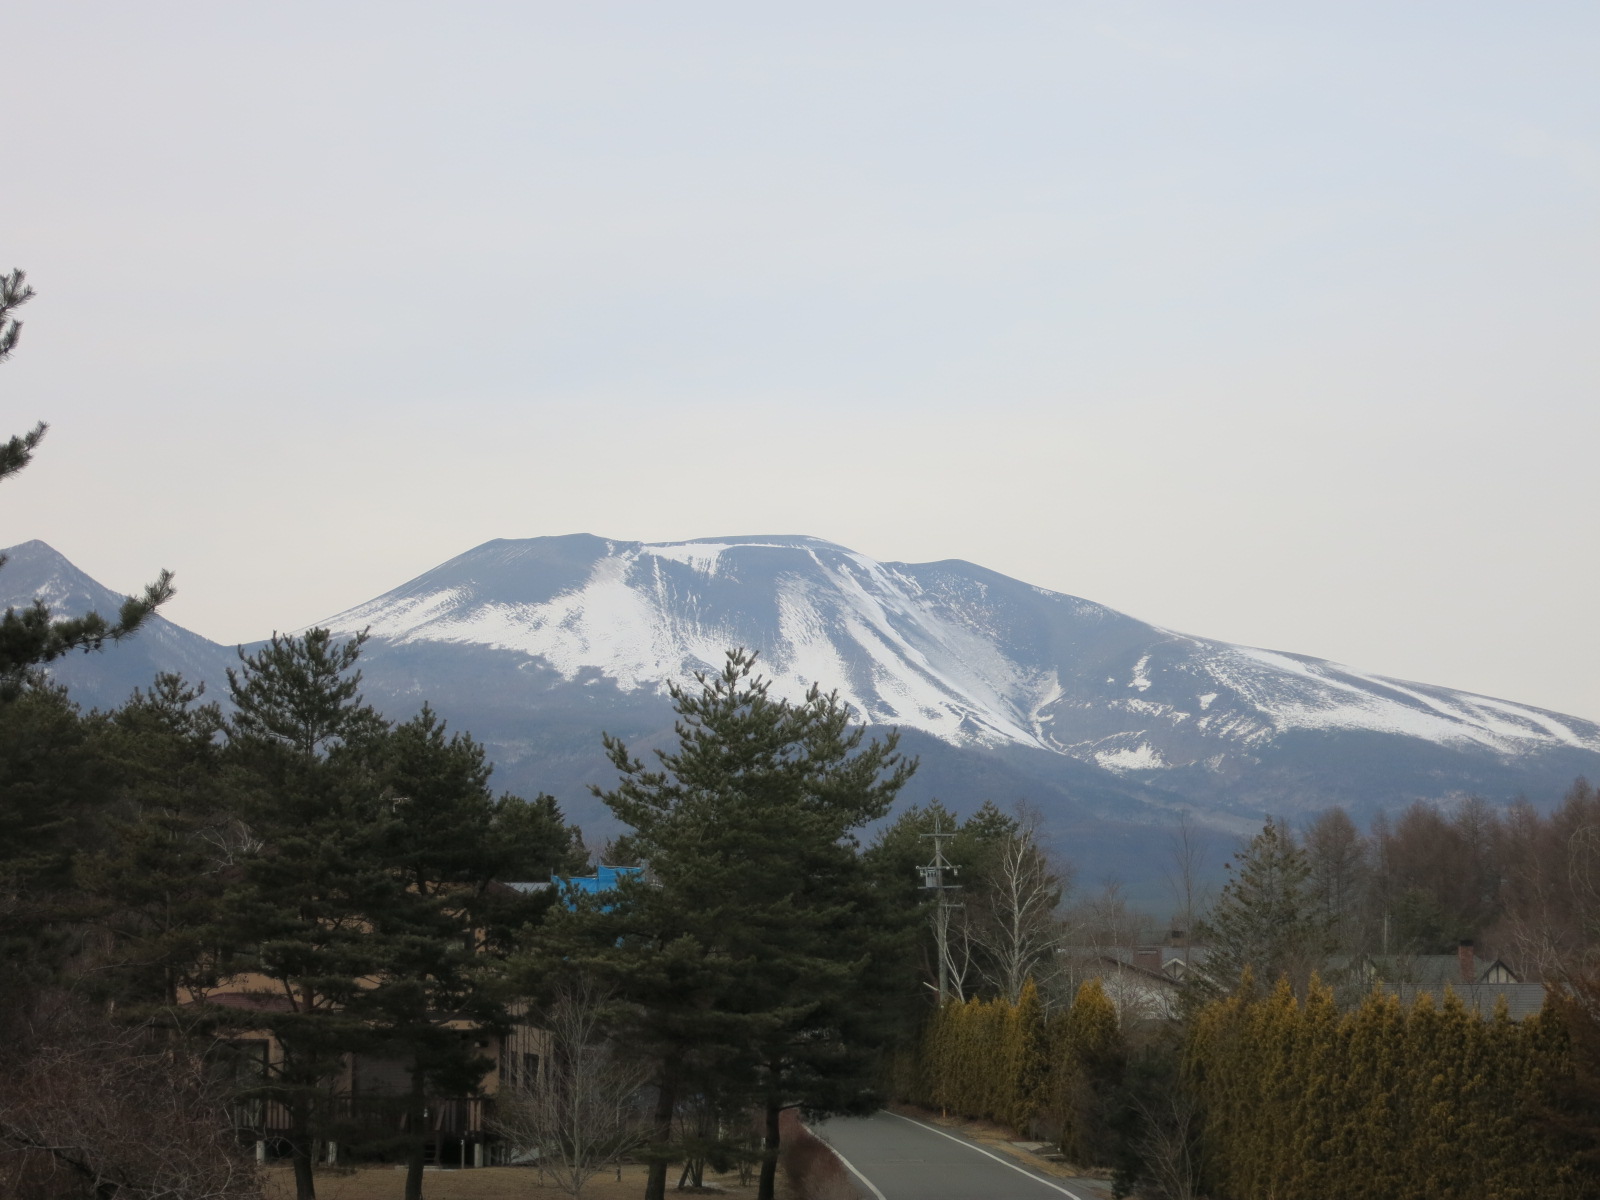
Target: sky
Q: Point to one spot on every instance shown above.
(1269, 323)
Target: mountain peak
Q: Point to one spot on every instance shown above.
(957, 651)
(572, 631)
(35, 570)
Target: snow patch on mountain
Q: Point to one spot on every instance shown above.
(1143, 757)
(1298, 693)
(949, 649)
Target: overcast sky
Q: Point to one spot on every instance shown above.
(1269, 322)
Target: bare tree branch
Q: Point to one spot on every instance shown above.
(581, 1113)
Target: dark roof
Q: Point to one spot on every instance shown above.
(1421, 970)
(1194, 955)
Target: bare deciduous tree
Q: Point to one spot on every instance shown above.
(1013, 917)
(1104, 921)
(581, 1114)
(1190, 897)
(953, 940)
(1168, 1143)
(88, 1108)
(1338, 856)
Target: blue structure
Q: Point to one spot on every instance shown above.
(569, 887)
(604, 879)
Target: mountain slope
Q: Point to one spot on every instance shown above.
(975, 659)
(1007, 691)
(105, 680)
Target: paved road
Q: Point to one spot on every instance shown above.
(896, 1158)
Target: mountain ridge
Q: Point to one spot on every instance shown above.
(1004, 697)
(1110, 725)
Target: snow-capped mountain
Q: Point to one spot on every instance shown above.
(33, 570)
(1006, 691)
(969, 656)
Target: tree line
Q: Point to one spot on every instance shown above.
(175, 874)
(1262, 1080)
(296, 866)
(1525, 883)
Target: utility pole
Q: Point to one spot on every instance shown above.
(934, 876)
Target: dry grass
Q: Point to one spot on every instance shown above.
(487, 1183)
(810, 1168)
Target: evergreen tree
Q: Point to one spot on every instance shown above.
(1565, 1106)
(1319, 1106)
(437, 985)
(1268, 917)
(53, 784)
(296, 925)
(32, 636)
(1375, 1134)
(171, 837)
(1273, 1169)
(1090, 1055)
(1026, 1059)
(742, 958)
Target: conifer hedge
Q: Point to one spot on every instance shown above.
(998, 1061)
(1430, 1101)
(1295, 1099)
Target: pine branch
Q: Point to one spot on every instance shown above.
(30, 637)
(14, 293)
(18, 452)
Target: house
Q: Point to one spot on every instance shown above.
(368, 1090)
(1463, 968)
(1137, 982)
(1522, 1000)
(1144, 981)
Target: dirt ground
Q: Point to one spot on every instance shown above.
(486, 1183)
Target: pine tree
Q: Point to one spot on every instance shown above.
(741, 958)
(171, 837)
(53, 784)
(437, 981)
(32, 636)
(298, 920)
